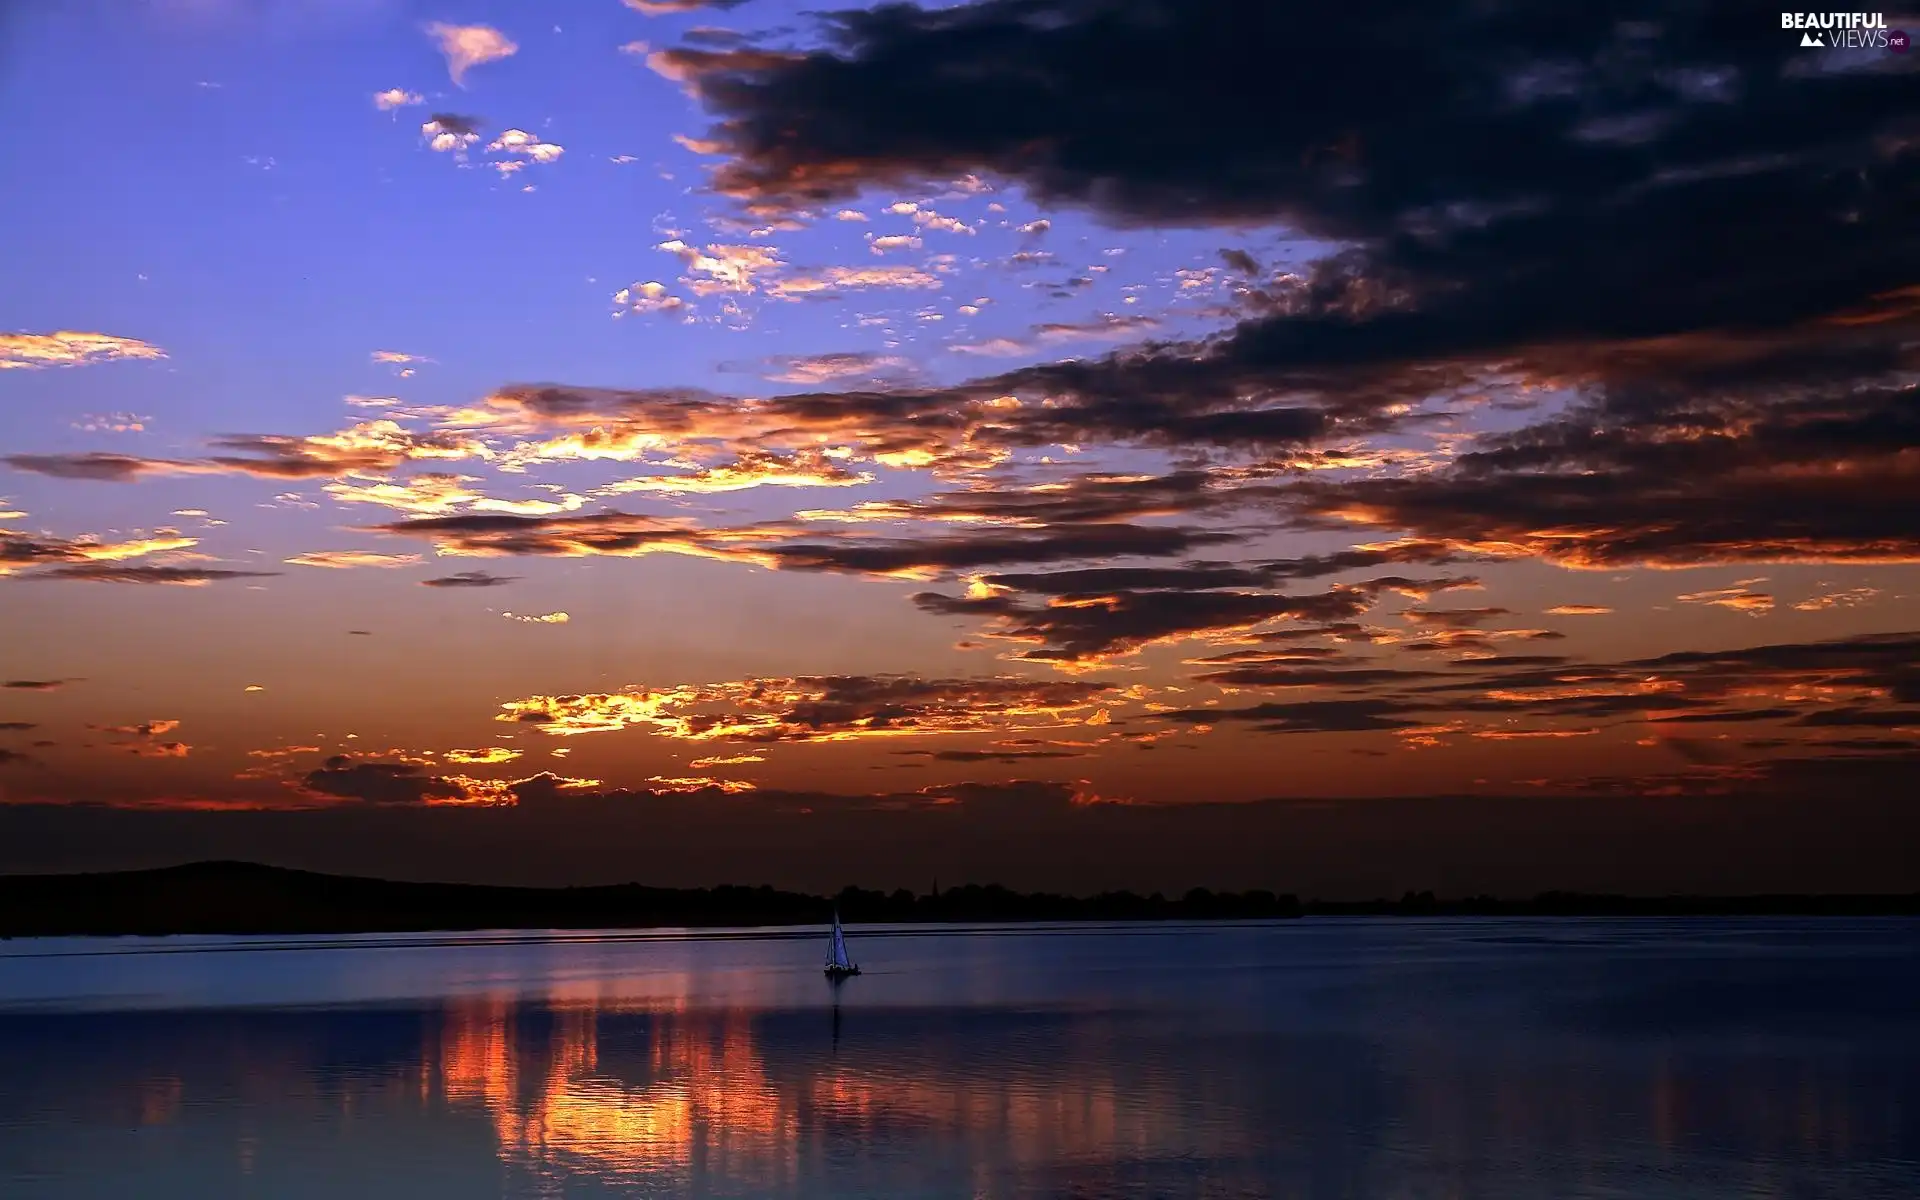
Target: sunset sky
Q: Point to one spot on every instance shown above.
(1079, 443)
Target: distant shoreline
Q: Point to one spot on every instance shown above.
(249, 898)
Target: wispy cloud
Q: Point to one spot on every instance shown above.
(176, 576)
(347, 559)
(468, 579)
(68, 348)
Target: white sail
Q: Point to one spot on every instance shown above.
(837, 955)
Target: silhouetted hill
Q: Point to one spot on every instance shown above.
(236, 897)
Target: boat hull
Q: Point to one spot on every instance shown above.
(838, 973)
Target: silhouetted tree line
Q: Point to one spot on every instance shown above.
(991, 902)
(209, 898)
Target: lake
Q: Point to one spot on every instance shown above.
(1469, 1058)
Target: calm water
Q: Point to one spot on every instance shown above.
(1370, 1058)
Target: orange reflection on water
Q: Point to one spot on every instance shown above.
(707, 1102)
(689, 1094)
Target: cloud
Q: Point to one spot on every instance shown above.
(21, 550)
(1106, 329)
(1506, 202)
(1737, 598)
(698, 783)
(1454, 618)
(526, 145)
(627, 535)
(661, 8)
(468, 46)
(145, 729)
(118, 422)
(448, 133)
(816, 369)
(650, 297)
(408, 784)
(1760, 470)
(1578, 610)
(829, 279)
(1288, 676)
(16, 726)
(1159, 399)
(1304, 716)
(469, 579)
(379, 783)
(719, 268)
(484, 756)
(36, 685)
(614, 534)
(1091, 617)
(931, 557)
(1109, 326)
(68, 348)
(552, 618)
(436, 493)
(101, 466)
(798, 469)
(820, 708)
(1845, 598)
(1865, 680)
(346, 559)
(429, 492)
(993, 756)
(394, 98)
(179, 576)
(367, 448)
(726, 760)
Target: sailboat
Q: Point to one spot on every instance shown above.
(839, 966)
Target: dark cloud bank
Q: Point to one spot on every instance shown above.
(1671, 209)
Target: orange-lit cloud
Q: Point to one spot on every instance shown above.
(143, 729)
(819, 708)
(485, 756)
(1844, 598)
(697, 783)
(798, 469)
(19, 550)
(1738, 599)
(348, 559)
(68, 348)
